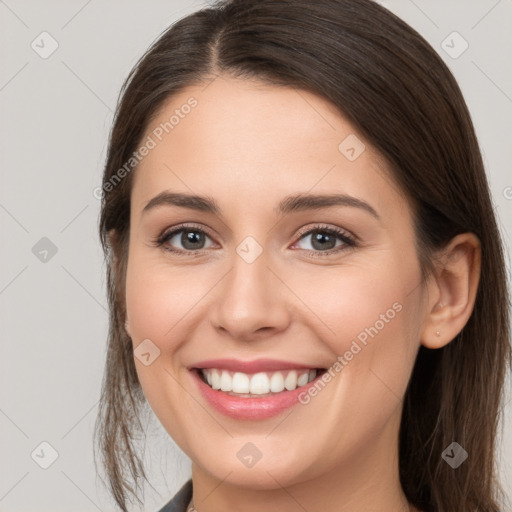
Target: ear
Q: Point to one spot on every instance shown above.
(113, 243)
(452, 291)
(127, 328)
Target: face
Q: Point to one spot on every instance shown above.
(265, 288)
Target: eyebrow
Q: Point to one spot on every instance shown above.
(295, 203)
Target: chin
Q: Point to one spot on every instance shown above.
(273, 473)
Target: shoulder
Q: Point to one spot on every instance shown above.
(181, 499)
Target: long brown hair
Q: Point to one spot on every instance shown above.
(399, 94)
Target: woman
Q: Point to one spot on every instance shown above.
(306, 279)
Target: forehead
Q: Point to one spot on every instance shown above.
(247, 141)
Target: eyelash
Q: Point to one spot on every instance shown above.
(348, 241)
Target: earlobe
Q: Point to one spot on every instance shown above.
(127, 325)
(452, 291)
(112, 241)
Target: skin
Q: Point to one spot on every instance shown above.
(248, 145)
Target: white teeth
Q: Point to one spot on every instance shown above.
(290, 383)
(277, 382)
(215, 376)
(225, 381)
(258, 383)
(303, 379)
(241, 383)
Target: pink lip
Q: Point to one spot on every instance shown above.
(259, 365)
(250, 408)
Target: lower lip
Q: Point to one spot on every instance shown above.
(250, 408)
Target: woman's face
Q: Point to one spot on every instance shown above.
(266, 279)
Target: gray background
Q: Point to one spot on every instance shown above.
(56, 113)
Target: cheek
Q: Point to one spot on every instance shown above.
(373, 319)
(157, 297)
(361, 303)
(156, 302)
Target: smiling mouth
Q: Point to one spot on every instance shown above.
(261, 384)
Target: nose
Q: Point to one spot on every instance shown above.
(252, 302)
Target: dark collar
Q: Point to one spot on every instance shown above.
(181, 499)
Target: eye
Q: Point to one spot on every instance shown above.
(323, 239)
(191, 238)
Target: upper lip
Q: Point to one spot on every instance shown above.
(257, 365)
